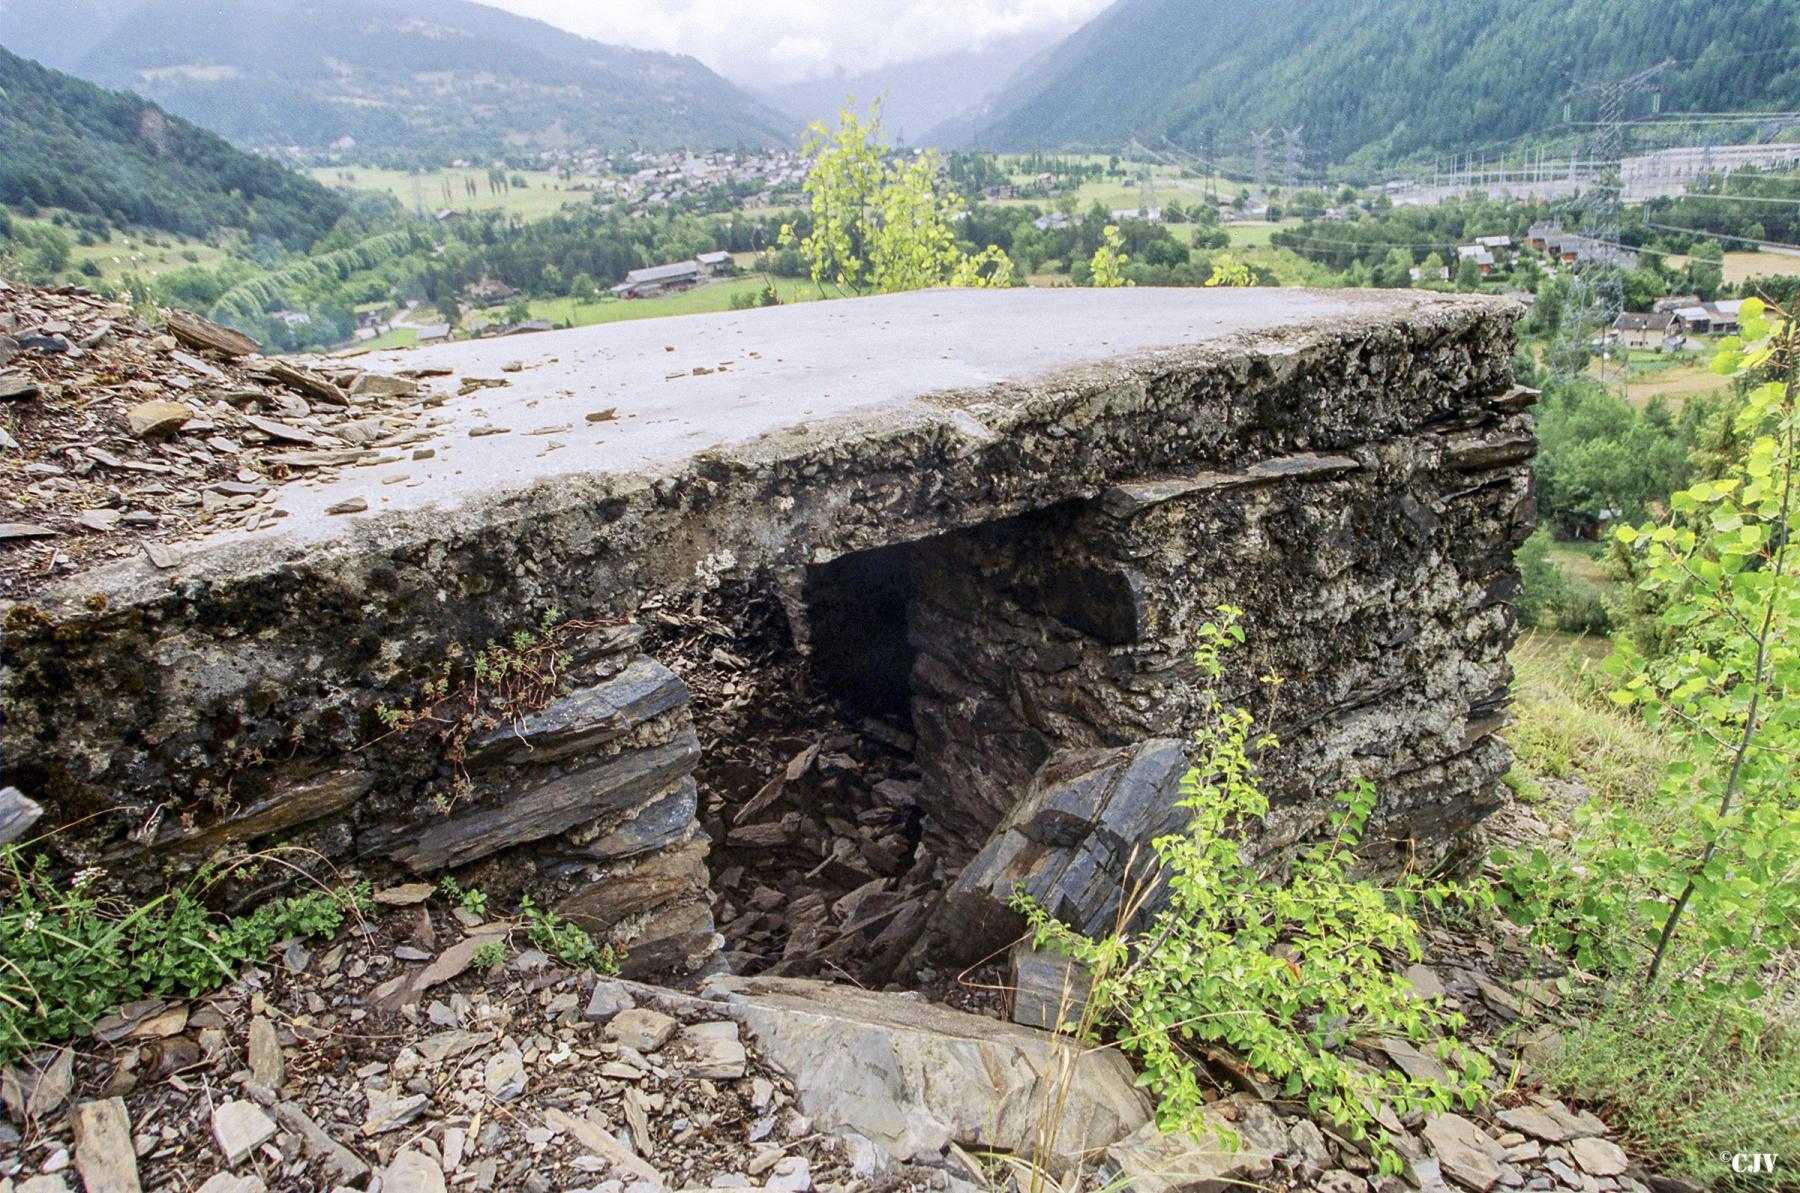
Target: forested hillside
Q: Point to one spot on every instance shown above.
(1380, 79)
(410, 84)
(109, 154)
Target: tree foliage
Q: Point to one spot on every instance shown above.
(879, 224)
(1106, 268)
(1601, 459)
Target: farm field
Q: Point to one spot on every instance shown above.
(1741, 267)
(715, 296)
(545, 192)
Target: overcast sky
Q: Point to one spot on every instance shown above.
(757, 42)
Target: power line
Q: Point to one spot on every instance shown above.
(1259, 140)
(1764, 244)
(1727, 198)
(1292, 151)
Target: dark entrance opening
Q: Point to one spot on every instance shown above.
(856, 610)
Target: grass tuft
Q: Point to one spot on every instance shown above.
(1687, 1082)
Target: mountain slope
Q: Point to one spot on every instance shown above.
(1381, 78)
(71, 144)
(410, 82)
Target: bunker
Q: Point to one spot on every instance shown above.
(800, 600)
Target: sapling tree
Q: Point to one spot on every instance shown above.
(1107, 267)
(879, 222)
(1229, 271)
(1711, 858)
(1729, 690)
(1284, 973)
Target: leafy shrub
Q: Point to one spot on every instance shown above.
(1282, 975)
(1542, 584)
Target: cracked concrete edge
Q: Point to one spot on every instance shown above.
(238, 559)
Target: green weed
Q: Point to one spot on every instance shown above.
(70, 953)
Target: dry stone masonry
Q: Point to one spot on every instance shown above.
(989, 521)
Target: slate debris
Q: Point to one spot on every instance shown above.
(117, 434)
(487, 1082)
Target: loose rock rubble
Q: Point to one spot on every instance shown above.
(119, 435)
(308, 1073)
(297, 1077)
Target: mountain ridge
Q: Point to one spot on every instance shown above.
(410, 86)
(1378, 79)
(918, 97)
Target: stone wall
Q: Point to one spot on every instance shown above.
(1373, 580)
(1349, 468)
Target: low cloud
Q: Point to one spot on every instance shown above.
(765, 42)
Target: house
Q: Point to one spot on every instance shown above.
(1695, 320)
(447, 214)
(714, 264)
(1539, 234)
(1571, 249)
(1724, 315)
(1674, 302)
(1441, 274)
(490, 293)
(528, 326)
(1653, 330)
(291, 319)
(643, 283)
(1474, 252)
(1500, 247)
(1152, 214)
(434, 333)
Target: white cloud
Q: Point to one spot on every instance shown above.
(758, 42)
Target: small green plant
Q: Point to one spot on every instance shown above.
(1282, 975)
(499, 684)
(563, 940)
(471, 899)
(70, 953)
(488, 954)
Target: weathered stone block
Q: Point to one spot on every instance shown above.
(1078, 843)
(584, 720)
(537, 809)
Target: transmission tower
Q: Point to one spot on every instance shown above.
(1212, 170)
(1292, 153)
(1259, 143)
(1598, 295)
(1146, 191)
